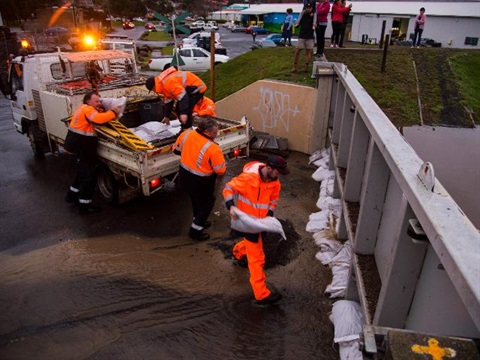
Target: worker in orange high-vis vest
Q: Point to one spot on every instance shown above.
(205, 107)
(201, 161)
(256, 192)
(184, 87)
(82, 140)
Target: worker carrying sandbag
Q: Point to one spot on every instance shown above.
(255, 192)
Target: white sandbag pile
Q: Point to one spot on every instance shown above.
(154, 130)
(347, 318)
(346, 315)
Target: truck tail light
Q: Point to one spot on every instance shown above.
(149, 61)
(236, 153)
(154, 183)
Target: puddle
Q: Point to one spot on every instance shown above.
(455, 155)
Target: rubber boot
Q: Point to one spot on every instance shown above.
(198, 235)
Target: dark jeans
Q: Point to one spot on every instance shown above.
(85, 147)
(337, 31)
(201, 190)
(418, 32)
(320, 32)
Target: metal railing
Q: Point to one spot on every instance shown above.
(416, 262)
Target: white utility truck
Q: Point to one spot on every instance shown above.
(46, 89)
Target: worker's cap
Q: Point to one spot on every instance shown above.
(309, 5)
(150, 83)
(279, 163)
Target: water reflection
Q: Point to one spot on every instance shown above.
(455, 155)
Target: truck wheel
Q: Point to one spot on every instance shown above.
(108, 185)
(35, 136)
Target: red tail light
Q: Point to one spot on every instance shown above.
(154, 183)
(149, 61)
(236, 152)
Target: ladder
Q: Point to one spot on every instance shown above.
(116, 130)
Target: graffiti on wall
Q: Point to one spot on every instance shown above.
(275, 109)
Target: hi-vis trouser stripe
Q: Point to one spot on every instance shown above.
(127, 137)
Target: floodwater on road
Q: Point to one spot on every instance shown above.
(455, 156)
(129, 284)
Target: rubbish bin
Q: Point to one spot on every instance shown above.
(364, 38)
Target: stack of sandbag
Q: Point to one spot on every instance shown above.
(154, 130)
(337, 255)
(347, 318)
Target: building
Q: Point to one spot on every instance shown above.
(453, 24)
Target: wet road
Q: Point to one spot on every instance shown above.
(128, 283)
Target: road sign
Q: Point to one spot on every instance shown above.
(174, 22)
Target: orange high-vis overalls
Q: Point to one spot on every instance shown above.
(255, 197)
(205, 107)
(173, 84)
(202, 156)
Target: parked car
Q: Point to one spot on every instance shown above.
(210, 25)
(127, 25)
(237, 28)
(192, 38)
(56, 31)
(276, 38)
(149, 26)
(256, 29)
(196, 60)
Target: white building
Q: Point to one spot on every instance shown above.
(453, 24)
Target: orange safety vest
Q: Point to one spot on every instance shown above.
(205, 107)
(250, 193)
(200, 155)
(172, 84)
(86, 116)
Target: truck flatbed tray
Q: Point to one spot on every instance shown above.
(82, 85)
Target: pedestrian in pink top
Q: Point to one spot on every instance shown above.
(323, 8)
(338, 13)
(420, 21)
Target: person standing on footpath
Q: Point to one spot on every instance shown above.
(255, 192)
(323, 8)
(305, 37)
(338, 13)
(287, 28)
(420, 21)
(82, 140)
(344, 25)
(200, 163)
(184, 87)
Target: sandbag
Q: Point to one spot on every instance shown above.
(109, 103)
(251, 224)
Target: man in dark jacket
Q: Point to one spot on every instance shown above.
(306, 36)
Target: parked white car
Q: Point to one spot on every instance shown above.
(211, 25)
(192, 38)
(196, 60)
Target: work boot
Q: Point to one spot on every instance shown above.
(270, 299)
(86, 209)
(71, 197)
(198, 235)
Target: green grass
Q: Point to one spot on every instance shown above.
(466, 67)
(443, 88)
(156, 36)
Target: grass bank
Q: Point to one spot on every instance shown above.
(448, 80)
